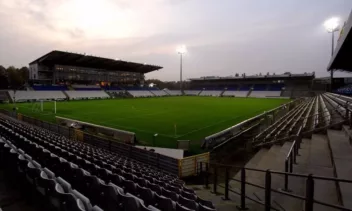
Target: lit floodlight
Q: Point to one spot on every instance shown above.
(332, 24)
(181, 49)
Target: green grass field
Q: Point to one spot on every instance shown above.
(194, 117)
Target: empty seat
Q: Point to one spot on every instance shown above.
(187, 203)
(205, 208)
(164, 203)
(170, 194)
(182, 208)
(146, 194)
(205, 202)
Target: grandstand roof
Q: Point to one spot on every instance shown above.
(274, 77)
(82, 60)
(341, 59)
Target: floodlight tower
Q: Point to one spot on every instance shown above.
(332, 26)
(181, 50)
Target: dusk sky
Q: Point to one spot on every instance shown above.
(223, 37)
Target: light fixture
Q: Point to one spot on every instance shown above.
(332, 24)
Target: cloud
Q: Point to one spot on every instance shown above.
(222, 39)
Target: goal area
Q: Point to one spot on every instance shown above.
(44, 106)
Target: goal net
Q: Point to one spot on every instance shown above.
(44, 106)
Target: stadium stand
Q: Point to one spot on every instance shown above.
(4, 96)
(159, 93)
(263, 94)
(214, 93)
(346, 90)
(112, 88)
(229, 93)
(77, 176)
(141, 93)
(174, 92)
(76, 95)
(49, 87)
(295, 150)
(22, 96)
(192, 92)
(276, 87)
(245, 87)
(86, 87)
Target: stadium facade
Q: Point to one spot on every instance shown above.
(291, 85)
(58, 66)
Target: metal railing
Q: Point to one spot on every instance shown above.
(308, 198)
(291, 156)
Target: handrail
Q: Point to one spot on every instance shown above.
(308, 198)
(291, 156)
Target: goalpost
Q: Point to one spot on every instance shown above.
(45, 106)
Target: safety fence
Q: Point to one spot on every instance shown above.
(261, 121)
(212, 170)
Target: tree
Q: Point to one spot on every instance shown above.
(15, 78)
(237, 75)
(4, 84)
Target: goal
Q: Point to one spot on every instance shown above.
(44, 106)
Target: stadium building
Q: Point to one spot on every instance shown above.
(281, 85)
(56, 67)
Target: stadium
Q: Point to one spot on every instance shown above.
(89, 133)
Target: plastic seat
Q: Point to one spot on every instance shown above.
(67, 201)
(205, 203)
(128, 176)
(187, 203)
(146, 194)
(173, 189)
(182, 208)
(116, 179)
(103, 174)
(84, 200)
(188, 195)
(141, 181)
(109, 199)
(205, 208)
(64, 184)
(92, 188)
(32, 173)
(129, 186)
(131, 202)
(96, 208)
(149, 208)
(156, 188)
(169, 194)
(164, 203)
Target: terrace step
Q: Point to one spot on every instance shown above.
(268, 161)
(315, 159)
(276, 161)
(342, 158)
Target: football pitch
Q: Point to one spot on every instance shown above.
(172, 118)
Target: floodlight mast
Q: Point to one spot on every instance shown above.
(181, 50)
(332, 26)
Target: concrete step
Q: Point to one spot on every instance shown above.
(280, 201)
(267, 158)
(348, 132)
(315, 159)
(342, 158)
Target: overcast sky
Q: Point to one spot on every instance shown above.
(223, 37)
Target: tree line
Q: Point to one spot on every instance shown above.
(15, 78)
(12, 77)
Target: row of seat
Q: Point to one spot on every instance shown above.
(55, 189)
(310, 114)
(131, 182)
